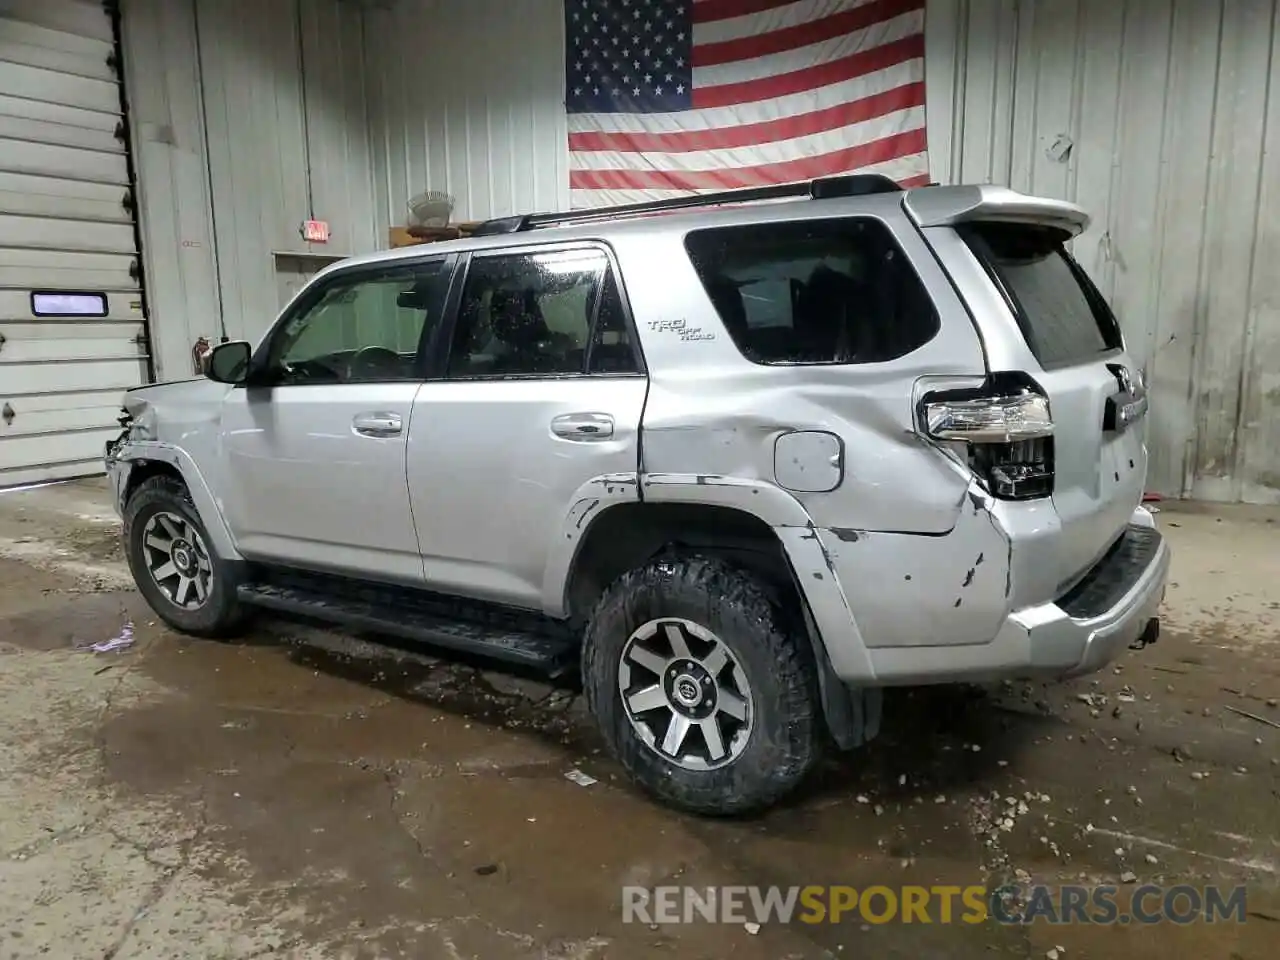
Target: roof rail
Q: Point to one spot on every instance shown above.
(853, 185)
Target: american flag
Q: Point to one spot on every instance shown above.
(668, 97)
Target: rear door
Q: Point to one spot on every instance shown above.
(541, 393)
(1041, 314)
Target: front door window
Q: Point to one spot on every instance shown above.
(361, 327)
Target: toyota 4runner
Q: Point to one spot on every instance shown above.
(744, 459)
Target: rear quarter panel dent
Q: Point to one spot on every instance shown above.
(909, 590)
(812, 560)
(892, 479)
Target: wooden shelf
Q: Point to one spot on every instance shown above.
(412, 236)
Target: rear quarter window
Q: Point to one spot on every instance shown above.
(807, 292)
(1063, 317)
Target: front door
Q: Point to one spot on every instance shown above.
(315, 449)
(542, 392)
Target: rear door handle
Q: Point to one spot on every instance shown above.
(377, 424)
(583, 426)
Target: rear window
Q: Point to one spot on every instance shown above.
(1063, 317)
(828, 291)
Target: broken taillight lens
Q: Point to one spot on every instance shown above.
(1007, 435)
(1015, 471)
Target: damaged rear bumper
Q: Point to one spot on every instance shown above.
(1113, 608)
(901, 609)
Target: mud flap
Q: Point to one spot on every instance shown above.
(1150, 634)
(852, 713)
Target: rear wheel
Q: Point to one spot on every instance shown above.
(704, 697)
(174, 564)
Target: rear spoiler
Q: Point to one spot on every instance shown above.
(948, 206)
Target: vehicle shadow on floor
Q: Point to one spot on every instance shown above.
(933, 739)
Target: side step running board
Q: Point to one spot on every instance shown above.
(549, 652)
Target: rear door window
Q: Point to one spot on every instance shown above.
(1063, 317)
(819, 291)
(544, 313)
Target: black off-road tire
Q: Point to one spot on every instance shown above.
(222, 614)
(786, 733)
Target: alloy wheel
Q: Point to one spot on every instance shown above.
(177, 560)
(685, 694)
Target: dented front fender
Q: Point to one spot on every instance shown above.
(129, 453)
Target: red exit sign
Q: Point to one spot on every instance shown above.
(315, 231)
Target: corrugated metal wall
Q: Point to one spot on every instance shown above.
(284, 106)
(250, 118)
(1161, 117)
(468, 98)
(162, 82)
(1157, 115)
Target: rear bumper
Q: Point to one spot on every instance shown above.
(1107, 612)
(1079, 633)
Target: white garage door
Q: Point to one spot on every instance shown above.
(72, 336)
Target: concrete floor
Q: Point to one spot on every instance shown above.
(309, 794)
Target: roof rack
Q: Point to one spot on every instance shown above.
(853, 185)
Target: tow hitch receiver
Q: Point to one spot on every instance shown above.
(1150, 634)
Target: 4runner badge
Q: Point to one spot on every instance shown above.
(1128, 405)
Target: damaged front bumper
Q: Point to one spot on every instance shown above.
(118, 469)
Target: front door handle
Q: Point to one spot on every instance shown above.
(583, 426)
(377, 424)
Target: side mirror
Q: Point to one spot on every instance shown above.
(229, 362)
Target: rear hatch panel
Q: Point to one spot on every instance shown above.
(1038, 313)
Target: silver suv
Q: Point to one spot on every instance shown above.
(744, 459)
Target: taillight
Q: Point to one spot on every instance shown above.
(989, 419)
(1006, 431)
(1015, 471)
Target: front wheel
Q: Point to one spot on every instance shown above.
(174, 564)
(701, 693)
